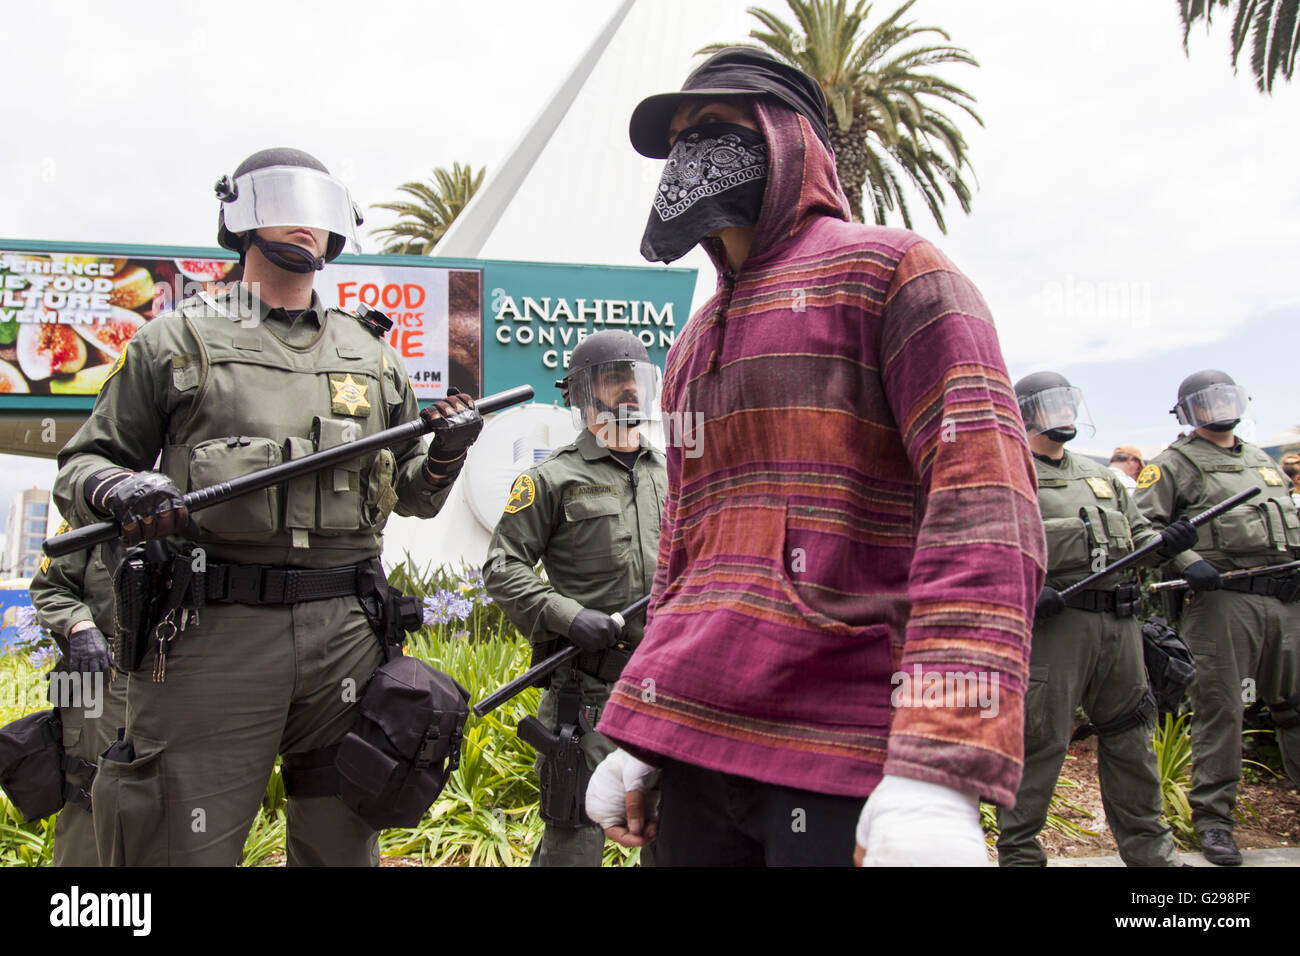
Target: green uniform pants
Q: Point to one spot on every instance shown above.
(87, 738)
(1247, 648)
(245, 684)
(1093, 660)
(583, 846)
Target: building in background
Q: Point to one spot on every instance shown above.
(29, 514)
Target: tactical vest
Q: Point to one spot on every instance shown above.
(1266, 528)
(256, 402)
(1084, 527)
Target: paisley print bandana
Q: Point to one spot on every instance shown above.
(714, 177)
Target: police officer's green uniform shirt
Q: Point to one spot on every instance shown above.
(66, 591)
(1192, 475)
(1088, 517)
(74, 588)
(596, 535)
(220, 388)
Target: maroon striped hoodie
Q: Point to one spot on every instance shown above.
(854, 519)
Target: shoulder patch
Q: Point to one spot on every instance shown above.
(63, 528)
(1100, 487)
(522, 494)
(1271, 477)
(117, 367)
(1148, 476)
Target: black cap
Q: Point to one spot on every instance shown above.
(736, 70)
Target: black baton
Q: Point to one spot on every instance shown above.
(1135, 556)
(92, 534)
(498, 697)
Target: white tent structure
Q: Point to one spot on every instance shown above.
(563, 168)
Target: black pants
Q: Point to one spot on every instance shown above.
(707, 818)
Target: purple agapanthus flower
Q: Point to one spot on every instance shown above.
(442, 606)
(43, 657)
(30, 632)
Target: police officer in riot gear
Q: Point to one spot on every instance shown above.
(1244, 633)
(590, 513)
(1087, 648)
(273, 660)
(73, 599)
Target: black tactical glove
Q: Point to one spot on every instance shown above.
(145, 503)
(1050, 604)
(593, 631)
(1202, 576)
(456, 424)
(88, 652)
(1177, 538)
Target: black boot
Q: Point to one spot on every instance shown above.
(1219, 847)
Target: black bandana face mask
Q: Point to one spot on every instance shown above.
(714, 177)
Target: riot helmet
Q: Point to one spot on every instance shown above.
(1210, 399)
(611, 379)
(1051, 406)
(285, 187)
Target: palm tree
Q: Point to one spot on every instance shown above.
(1273, 27)
(422, 223)
(887, 123)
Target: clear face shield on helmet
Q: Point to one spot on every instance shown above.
(1220, 404)
(1054, 408)
(621, 391)
(289, 196)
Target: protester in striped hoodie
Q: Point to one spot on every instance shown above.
(851, 546)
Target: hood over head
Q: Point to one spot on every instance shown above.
(802, 183)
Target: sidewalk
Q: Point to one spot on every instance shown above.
(1281, 856)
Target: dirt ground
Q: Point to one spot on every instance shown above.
(1275, 821)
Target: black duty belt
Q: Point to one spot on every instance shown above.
(1122, 601)
(1259, 584)
(266, 584)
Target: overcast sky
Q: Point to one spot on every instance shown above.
(1137, 216)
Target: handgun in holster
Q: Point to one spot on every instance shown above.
(391, 613)
(564, 772)
(151, 582)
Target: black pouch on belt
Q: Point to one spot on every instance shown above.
(1171, 668)
(31, 764)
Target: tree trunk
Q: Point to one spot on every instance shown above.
(851, 160)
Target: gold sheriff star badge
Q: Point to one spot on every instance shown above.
(349, 396)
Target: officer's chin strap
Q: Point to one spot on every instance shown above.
(288, 256)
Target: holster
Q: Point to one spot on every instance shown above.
(564, 772)
(391, 613)
(150, 583)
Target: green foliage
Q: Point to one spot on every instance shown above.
(1271, 26)
(887, 119)
(422, 223)
(24, 844)
(1172, 742)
